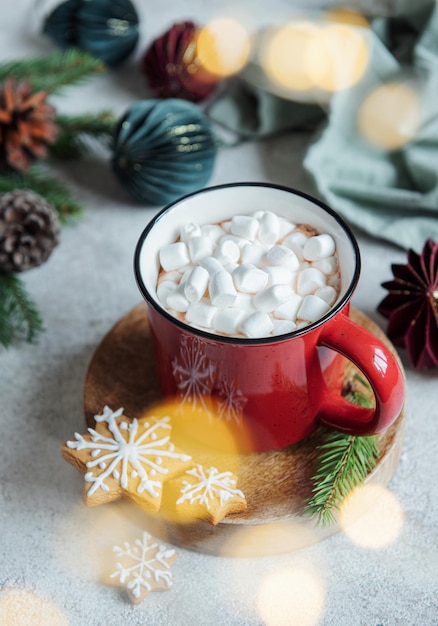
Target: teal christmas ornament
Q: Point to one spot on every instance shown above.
(107, 29)
(163, 149)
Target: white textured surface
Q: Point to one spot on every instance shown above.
(49, 542)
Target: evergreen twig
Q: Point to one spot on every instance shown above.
(75, 132)
(344, 462)
(47, 186)
(19, 318)
(53, 71)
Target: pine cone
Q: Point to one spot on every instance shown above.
(29, 230)
(26, 125)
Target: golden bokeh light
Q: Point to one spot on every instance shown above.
(345, 15)
(20, 606)
(337, 57)
(390, 116)
(284, 55)
(223, 47)
(292, 596)
(371, 516)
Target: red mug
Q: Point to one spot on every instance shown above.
(275, 390)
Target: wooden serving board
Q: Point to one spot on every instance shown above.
(276, 484)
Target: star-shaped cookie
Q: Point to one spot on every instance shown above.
(126, 458)
(143, 567)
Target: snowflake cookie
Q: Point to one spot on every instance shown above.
(143, 567)
(206, 493)
(126, 458)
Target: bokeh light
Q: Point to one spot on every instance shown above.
(390, 115)
(284, 55)
(337, 57)
(304, 55)
(223, 46)
(371, 516)
(292, 596)
(20, 606)
(346, 15)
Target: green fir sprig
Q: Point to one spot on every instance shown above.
(54, 71)
(344, 462)
(45, 185)
(76, 132)
(19, 318)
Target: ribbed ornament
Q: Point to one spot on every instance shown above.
(163, 149)
(107, 29)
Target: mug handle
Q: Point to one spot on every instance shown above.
(378, 365)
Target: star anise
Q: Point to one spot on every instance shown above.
(412, 306)
(26, 125)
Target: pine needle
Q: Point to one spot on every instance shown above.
(75, 133)
(45, 185)
(19, 318)
(344, 462)
(53, 71)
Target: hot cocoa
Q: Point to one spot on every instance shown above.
(251, 276)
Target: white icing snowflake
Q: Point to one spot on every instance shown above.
(144, 567)
(211, 484)
(231, 401)
(127, 451)
(194, 374)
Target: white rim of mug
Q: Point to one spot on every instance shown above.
(245, 340)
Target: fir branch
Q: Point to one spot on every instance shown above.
(75, 132)
(19, 318)
(344, 462)
(54, 71)
(45, 185)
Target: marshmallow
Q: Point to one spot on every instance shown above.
(327, 293)
(222, 290)
(196, 284)
(269, 228)
(258, 214)
(174, 256)
(249, 279)
(226, 226)
(272, 297)
(227, 252)
(282, 327)
(190, 230)
(282, 255)
(326, 266)
(258, 324)
(213, 232)
(173, 276)
(319, 247)
(201, 314)
(241, 241)
(227, 321)
(199, 248)
(245, 226)
(177, 300)
(313, 308)
(279, 275)
(211, 264)
(309, 280)
(254, 253)
(295, 242)
(289, 309)
(284, 227)
(164, 288)
(244, 301)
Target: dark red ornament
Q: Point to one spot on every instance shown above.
(412, 306)
(172, 67)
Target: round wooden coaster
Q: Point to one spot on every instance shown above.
(276, 484)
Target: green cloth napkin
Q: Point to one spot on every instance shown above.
(390, 194)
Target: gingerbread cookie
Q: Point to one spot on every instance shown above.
(143, 567)
(205, 493)
(126, 458)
